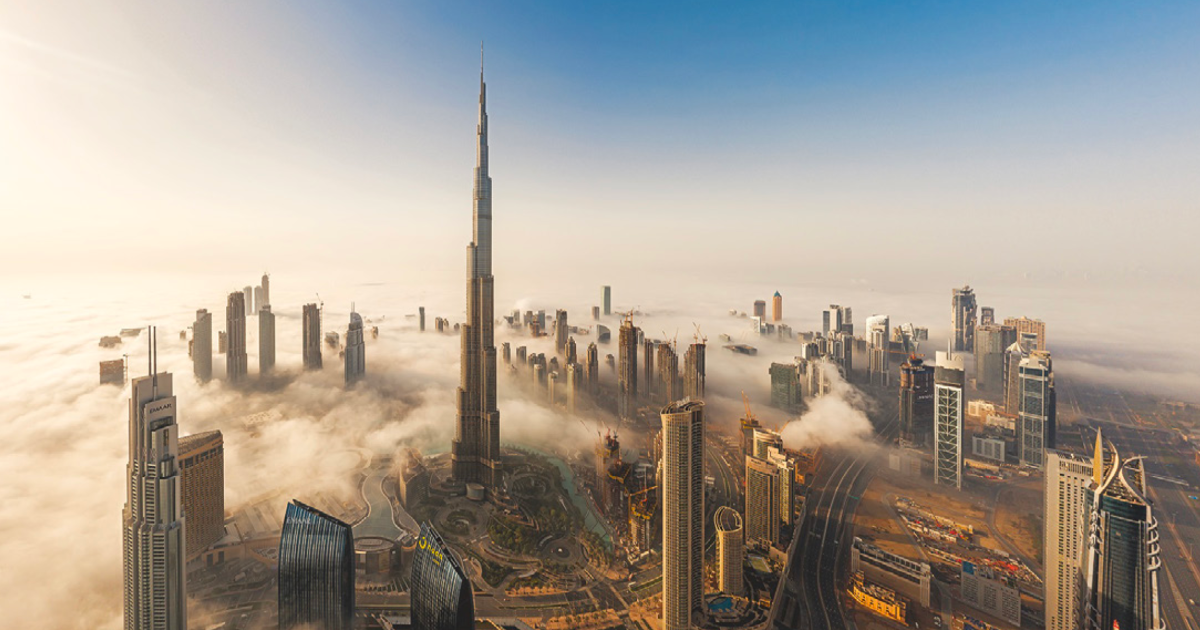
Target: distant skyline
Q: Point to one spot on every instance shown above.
(1000, 139)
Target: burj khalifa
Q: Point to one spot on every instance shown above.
(475, 451)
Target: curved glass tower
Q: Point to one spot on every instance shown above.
(441, 592)
(316, 570)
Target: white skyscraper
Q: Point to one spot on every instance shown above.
(682, 487)
(1068, 483)
(948, 405)
(879, 335)
(154, 543)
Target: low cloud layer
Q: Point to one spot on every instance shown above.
(837, 419)
(65, 447)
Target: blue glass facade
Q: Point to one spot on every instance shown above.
(441, 593)
(316, 570)
(1123, 551)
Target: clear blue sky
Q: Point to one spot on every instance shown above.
(1064, 134)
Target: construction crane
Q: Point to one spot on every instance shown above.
(699, 337)
(749, 414)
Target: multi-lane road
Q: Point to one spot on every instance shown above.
(808, 593)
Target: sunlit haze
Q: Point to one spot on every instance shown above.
(695, 157)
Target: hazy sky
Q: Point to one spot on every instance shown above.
(1003, 138)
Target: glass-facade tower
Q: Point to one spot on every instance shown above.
(316, 570)
(441, 592)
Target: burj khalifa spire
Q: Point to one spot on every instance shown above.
(475, 451)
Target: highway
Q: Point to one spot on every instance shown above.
(808, 595)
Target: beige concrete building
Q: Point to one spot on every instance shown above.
(203, 473)
(682, 485)
(730, 550)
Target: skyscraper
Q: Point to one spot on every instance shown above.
(266, 339)
(202, 470)
(202, 346)
(1036, 418)
(730, 550)
(682, 486)
(356, 350)
(572, 354)
(606, 299)
(154, 541)
(442, 598)
(962, 319)
(668, 370)
(1025, 325)
(1068, 485)
(879, 335)
(916, 401)
(1013, 356)
(949, 403)
(1122, 563)
(838, 319)
(777, 307)
(627, 371)
(991, 343)
(266, 291)
(591, 369)
(235, 337)
(421, 318)
(574, 385)
(248, 300)
(316, 570)
(762, 492)
(560, 331)
(311, 337)
(475, 451)
(693, 371)
(649, 348)
(760, 309)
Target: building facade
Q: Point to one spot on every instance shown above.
(777, 307)
(1068, 484)
(266, 339)
(730, 550)
(475, 450)
(682, 493)
(316, 570)
(154, 540)
(1032, 327)
(916, 402)
(606, 299)
(627, 370)
(355, 366)
(879, 335)
(311, 337)
(235, 338)
(1123, 566)
(1036, 417)
(963, 309)
(202, 346)
(202, 468)
(991, 344)
(442, 598)
(693, 371)
(949, 403)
